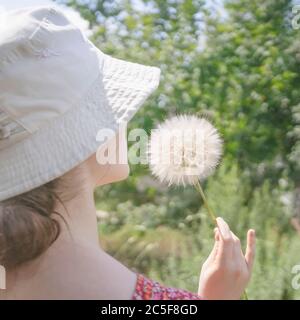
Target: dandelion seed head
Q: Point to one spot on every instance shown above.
(184, 149)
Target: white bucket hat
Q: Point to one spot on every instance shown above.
(57, 90)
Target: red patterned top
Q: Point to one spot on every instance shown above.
(147, 289)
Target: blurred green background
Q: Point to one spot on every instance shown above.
(237, 62)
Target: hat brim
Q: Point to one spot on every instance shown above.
(127, 85)
(113, 98)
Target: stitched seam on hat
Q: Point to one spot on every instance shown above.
(142, 85)
(13, 55)
(9, 129)
(4, 109)
(37, 30)
(42, 29)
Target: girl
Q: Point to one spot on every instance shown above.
(57, 91)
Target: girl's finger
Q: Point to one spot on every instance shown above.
(226, 240)
(238, 255)
(250, 250)
(214, 251)
(217, 234)
(237, 244)
(224, 230)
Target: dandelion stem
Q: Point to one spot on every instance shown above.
(200, 190)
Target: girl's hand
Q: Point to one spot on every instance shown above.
(227, 271)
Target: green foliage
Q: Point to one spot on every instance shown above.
(249, 66)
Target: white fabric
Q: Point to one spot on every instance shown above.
(57, 90)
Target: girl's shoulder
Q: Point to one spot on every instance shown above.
(148, 289)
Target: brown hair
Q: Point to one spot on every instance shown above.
(28, 225)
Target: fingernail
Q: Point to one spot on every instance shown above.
(219, 219)
(221, 226)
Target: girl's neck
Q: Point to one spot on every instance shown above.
(79, 221)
